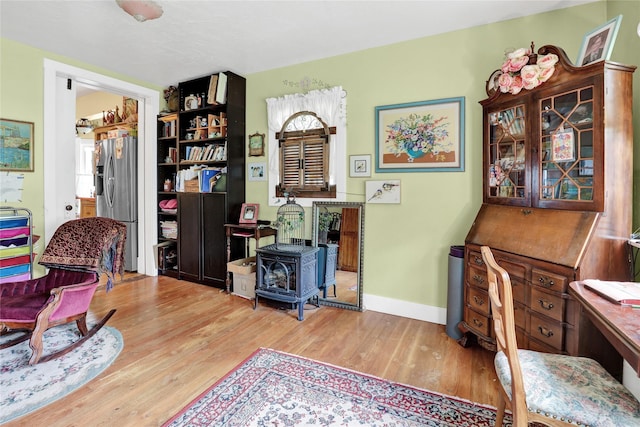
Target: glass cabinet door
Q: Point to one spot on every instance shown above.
(508, 154)
(566, 147)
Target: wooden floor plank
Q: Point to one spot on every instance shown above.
(182, 337)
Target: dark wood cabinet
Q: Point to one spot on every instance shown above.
(187, 141)
(190, 241)
(557, 177)
(201, 219)
(214, 249)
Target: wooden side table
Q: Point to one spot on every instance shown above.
(246, 231)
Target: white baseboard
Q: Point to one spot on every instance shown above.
(408, 309)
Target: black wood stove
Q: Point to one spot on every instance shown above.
(285, 276)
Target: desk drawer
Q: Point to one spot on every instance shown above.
(551, 281)
(477, 322)
(478, 299)
(475, 259)
(546, 331)
(477, 277)
(547, 304)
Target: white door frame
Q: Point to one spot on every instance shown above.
(148, 108)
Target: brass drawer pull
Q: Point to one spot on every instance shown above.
(478, 323)
(478, 260)
(546, 282)
(545, 304)
(479, 279)
(478, 300)
(546, 332)
(527, 212)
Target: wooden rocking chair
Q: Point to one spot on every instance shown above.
(78, 252)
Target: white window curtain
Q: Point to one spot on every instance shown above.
(331, 106)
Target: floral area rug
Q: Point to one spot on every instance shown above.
(25, 388)
(274, 388)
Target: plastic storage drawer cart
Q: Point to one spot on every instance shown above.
(16, 244)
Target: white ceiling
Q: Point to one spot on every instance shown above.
(195, 38)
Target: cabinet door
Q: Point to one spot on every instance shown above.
(189, 235)
(507, 156)
(570, 158)
(214, 248)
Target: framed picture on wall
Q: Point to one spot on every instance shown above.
(383, 191)
(257, 171)
(425, 136)
(360, 166)
(256, 144)
(16, 149)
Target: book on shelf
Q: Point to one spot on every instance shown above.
(173, 154)
(221, 89)
(213, 86)
(623, 293)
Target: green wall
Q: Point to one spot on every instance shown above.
(22, 98)
(406, 245)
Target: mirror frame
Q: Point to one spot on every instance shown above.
(315, 213)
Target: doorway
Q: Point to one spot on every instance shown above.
(59, 121)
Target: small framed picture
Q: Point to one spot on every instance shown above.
(256, 144)
(360, 166)
(257, 171)
(563, 146)
(597, 44)
(249, 213)
(383, 191)
(492, 84)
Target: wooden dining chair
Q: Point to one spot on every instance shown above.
(552, 389)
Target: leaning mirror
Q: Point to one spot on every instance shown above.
(338, 230)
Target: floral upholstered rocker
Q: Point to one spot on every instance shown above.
(79, 251)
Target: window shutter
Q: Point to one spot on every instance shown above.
(304, 164)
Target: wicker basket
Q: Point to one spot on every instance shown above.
(191, 186)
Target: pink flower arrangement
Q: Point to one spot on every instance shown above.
(521, 70)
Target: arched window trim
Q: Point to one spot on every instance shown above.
(304, 151)
(328, 104)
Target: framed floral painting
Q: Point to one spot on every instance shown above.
(426, 136)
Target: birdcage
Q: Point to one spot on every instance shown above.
(290, 236)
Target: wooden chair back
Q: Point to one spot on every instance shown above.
(501, 297)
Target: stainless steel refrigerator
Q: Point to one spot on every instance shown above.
(116, 183)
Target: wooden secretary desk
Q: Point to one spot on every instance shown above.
(557, 195)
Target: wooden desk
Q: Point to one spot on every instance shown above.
(619, 324)
(246, 231)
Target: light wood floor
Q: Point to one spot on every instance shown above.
(180, 338)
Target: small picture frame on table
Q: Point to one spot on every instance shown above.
(597, 44)
(249, 213)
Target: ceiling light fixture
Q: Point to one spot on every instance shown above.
(141, 10)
